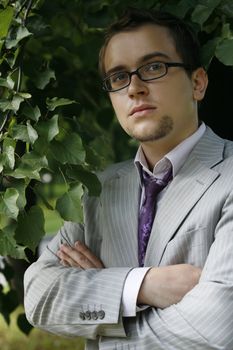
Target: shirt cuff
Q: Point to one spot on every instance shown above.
(131, 289)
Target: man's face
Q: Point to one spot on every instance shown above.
(163, 109)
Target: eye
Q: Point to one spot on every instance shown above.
(119, 77)
(154, 67)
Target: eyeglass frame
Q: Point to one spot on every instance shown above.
(136, 71)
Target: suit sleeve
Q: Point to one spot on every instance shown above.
(58, 299)
(71, 301)
(203, 320)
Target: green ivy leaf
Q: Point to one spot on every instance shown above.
(68, 150)
(16, 101)
(227, 8)
(6, 105)
(9, 153)
(8, 245)
(39, 26)
(24, 133)
(32, 112)
(34, 160)
(42, 79)
(24, 171)
(32, 134)
(20, 186)
(180, 8)
(19, 132)
(15, 37)
(13, 105)
(203, 11)
(30, 166)
(226, 31)
(11, 57)
(24, 95)
(224, 52)
(8, 203)
(48, 129)
(6, 16)
(8, 83)
(87, 178)
(58, 102)
(69, 205)
(208, 51)
(30, 228)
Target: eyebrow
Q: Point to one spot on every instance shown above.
(141, 60)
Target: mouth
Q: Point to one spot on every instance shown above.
(141, 110)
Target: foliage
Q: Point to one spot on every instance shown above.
(12, 339)
(56, 125)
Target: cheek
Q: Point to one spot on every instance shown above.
(119, 107)
(180, 97)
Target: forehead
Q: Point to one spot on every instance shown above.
(130, 47)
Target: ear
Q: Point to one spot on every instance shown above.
(200, 83)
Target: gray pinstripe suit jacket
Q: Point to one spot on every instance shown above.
(193, 224)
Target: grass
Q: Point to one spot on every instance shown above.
(11, 338)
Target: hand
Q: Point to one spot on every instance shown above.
(167, 285)
(78, 256)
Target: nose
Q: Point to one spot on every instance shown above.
(137, 87)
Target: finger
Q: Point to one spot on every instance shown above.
(64, 263)
(77, 258)
(66, 260)
(84, 250)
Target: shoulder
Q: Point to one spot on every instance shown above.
(212, 149)
(228, 151)
(107, 178)
(211, 136)
(220, 155)
(116, 170)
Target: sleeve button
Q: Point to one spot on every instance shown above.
(82, 315)
(94, 315)
(101, 314)
(87, 315)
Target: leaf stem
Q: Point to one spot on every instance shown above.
(64, 178)
(28, 8)
(5, 118)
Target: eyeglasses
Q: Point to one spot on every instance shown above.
(147, 72)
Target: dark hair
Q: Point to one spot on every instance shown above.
(185, 40)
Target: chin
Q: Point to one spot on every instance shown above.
(148, 132)
(148, 138)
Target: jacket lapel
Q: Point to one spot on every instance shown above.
(188, 186)
(120, 208)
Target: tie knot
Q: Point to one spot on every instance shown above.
(154, 185)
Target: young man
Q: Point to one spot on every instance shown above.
(140, 276)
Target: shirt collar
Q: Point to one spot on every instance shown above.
(176, 157)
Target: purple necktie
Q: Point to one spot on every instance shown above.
(152, 187)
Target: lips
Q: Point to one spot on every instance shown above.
(141, 108)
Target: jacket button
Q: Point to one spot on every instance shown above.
(101, 314)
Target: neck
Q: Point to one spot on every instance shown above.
(153, 154)
(154, 151)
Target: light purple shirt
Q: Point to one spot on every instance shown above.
(176, 157)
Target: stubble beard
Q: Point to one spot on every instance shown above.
(162, 129)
